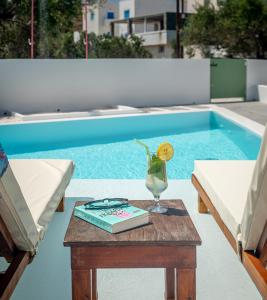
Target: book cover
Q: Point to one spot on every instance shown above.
(113, 219)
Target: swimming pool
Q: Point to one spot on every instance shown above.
(105, 148)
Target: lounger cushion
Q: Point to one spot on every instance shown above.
(226, 183)
(43, 184)
(255, 213)
(16, 214)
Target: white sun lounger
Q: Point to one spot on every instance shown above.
(235, 193)
(30, 192)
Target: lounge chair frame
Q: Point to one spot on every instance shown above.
(18, 260)
(254, 262)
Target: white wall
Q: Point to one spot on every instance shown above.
(262, 90)
(100, 24)
(28, 86)
(125, 5)
(256, 74)
(104, 22)
(92, 25)
(152, 7)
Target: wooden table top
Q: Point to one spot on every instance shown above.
(172, 228)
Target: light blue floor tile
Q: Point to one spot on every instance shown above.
(220, 276)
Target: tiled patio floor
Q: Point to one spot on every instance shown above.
(220, 276)
(255, 111)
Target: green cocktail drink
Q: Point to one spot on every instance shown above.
(156, 177)
(156, 181)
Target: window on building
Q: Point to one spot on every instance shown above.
(127, 14)
(92, 16)
(110, 15)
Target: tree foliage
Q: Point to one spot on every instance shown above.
(14, 28)
(55, 22)
(236, 28)
(106, 46)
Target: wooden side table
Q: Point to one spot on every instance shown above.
(168, 242)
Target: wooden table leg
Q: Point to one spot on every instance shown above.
(94, 284)
(186, 284)
(169, 284)
(84, 284)
(81, 285)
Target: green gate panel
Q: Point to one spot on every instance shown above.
(228, 78)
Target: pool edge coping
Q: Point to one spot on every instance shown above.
(242, 121)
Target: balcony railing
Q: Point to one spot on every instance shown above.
(160, 37)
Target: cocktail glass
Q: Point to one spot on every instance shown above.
(156, 181)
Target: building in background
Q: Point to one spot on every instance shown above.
(157, 31)
(99, 17)
(152, 20)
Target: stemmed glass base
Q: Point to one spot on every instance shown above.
(157, 208)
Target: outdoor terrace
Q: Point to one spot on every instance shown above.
(220, 275)
(92, 87)
(255, 111)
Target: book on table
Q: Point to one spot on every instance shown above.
(113, 220)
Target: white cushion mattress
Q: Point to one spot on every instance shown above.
(255, 214)
(16, 214)
(43, 183)
(227, 184)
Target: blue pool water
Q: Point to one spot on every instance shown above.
(105, 147)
